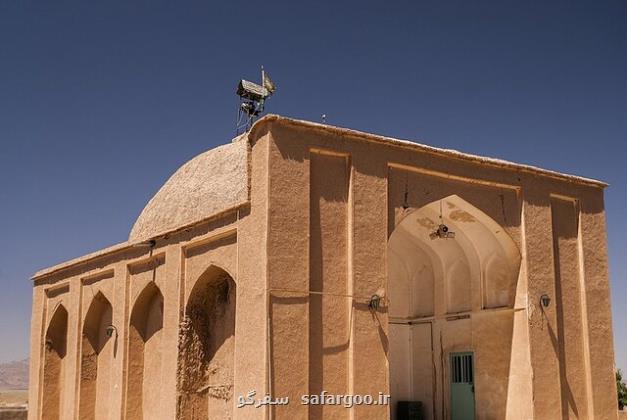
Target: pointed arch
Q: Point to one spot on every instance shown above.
(206, 347)
(144, 355)
(478, 269)
(432, 280)
(96, 358)
(54, 355)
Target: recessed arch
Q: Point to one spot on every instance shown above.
(206, 347)
(54, 355)
(143, 380)
(432, 282)
(96, 359)
(478, 268)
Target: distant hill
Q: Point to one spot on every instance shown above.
(14, 375)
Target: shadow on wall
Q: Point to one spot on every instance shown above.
(54, 355)
(206, 348)
(567, 345)
(144, 355)
(96, 357)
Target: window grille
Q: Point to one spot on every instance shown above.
(461, 368)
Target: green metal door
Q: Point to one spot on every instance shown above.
(462, 386)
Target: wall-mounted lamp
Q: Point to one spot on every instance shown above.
(545, 301)
(375, 302)
(442, 232)
(110, 330)
(146, 244)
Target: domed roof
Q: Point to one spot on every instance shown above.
(210, 183)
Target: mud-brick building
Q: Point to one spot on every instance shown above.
(303, 258)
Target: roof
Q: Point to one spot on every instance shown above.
(82, 259)
(210, 183)
(218, 180)
(375, 138)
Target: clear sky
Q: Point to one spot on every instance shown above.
(101, 101)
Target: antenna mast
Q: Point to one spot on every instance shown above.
(252, 101)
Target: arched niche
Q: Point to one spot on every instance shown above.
(413, 269)
(206, 348)
(143, 398)
(54, 355)
(475, 270)
(96, 359)
(430, 279)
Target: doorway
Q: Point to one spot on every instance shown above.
(462, 386)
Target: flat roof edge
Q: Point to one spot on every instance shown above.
(376, 138)
(124, 246)
(45, 272)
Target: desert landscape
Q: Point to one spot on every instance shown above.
(14, 384)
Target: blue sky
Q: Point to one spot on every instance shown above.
(101, 101)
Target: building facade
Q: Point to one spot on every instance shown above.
(303, 260)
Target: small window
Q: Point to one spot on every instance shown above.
(461, 368)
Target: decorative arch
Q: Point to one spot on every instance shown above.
(54, 355)
(432, 281)
(96, 357)
(477, 269)
(206, 347)
(144, 355)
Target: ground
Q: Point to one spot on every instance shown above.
(13, 398)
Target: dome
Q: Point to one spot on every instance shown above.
(210, 183)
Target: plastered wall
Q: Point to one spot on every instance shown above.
(531, 362)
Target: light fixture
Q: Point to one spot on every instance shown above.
(374, 303)
(545, 300)
(110, 330)
(146, 244)
(442, 232)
